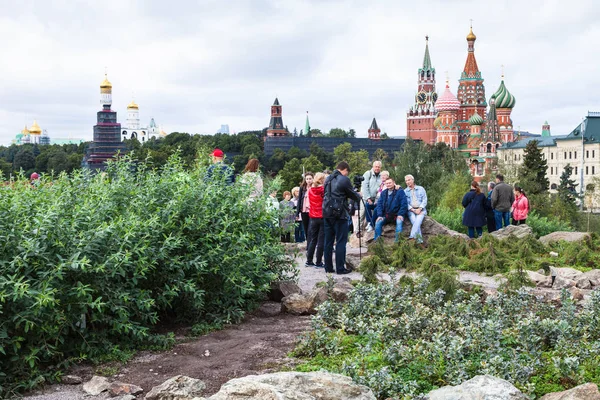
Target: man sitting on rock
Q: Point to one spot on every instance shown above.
(392, 206)
(417, 207)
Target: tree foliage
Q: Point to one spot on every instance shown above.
(533, 173)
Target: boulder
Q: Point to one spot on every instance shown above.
(576, 294)
(96, 385)
(595, 282)
(548, 295)
(293, 386)
(566, 236)
(340, 291)
(304, 303)
(539, 279)
(584, 283)
(567, 273)
(71, 380)
(563, 283)
(593, 275)
(179, 387)
(282, 289)
(483, 387)
(429, 228)
(516, 231)
(589, 391)
(121, 389)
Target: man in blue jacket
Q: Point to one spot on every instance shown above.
(392, 206)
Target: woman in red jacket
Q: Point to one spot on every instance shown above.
(315, 229)
(520, 207)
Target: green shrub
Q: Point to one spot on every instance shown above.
(451, 218)
(545, 225)
(88, 263)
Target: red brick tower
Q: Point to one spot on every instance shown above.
(420, 117)
(276, 127)
(374, 131)
(471, 92)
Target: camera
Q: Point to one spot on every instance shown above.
(358, 181)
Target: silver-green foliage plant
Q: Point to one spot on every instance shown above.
(403, 341)
(90, 262)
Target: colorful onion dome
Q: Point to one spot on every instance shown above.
(476, 119)
(437, 122)
(471, 35)
(132, 106)
(105, 83)
(447, 101)
(35, 129)
(503, 97)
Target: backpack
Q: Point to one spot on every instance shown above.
(335, 205)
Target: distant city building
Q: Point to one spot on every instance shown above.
(133, 129)
(374, 133)
(32, 135)
(107, 133)
(224, 129)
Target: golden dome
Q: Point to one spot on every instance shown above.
(35, 129)
(162, 133)
(471, 35)
(25, 131)
(133, 106)
(105, 83)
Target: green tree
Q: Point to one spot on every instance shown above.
(566, 188)
(338, 132)
(5, 169)
(277, 160)
(296, 152)
(312, 164)
(315, 133)
(24, 160)
(291, 174)
(381, 155)
(533, 173)
(324, 157)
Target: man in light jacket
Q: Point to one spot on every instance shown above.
(502, 200)
(416, 198)
(369, 188)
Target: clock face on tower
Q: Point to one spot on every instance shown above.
(421, 97)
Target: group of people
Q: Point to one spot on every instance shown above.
(502, 203)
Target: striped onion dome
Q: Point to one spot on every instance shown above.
(447, 101)
(503, 97)
(476, 119)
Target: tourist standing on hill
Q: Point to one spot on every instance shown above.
(520, 207)
(384, 176)
(316, 229)
(369, 188)
(338, 189)
(417, 207)
(391, 207)
(489, 216)
(252, 178)
(476, 207)
(287, 216)
(502, 199)
(303, 202)
(219, 167)
(298, 230)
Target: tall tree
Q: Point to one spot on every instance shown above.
(566, 188)
(533, 172)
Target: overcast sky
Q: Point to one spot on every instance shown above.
(194, 65)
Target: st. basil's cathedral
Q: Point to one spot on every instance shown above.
(463, 122)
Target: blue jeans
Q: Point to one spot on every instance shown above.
(472, 230)
(335, 229)
(501, 216)
(381, 222)
(416, 221)
(369, 211)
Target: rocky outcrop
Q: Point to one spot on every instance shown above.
(282, 289)
(179, 387)
(563, 283)
(483, 387)
(96, 385)
(589, 391)
(123, 389)
(589, 279)
(515, 231)
(566, 236)
(293, 386)
(539, 279)
(304, 303)
(566, 272)
(429, 228)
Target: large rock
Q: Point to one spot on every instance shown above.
(429, 228)
(179, 387)
(293, 386)
(482, 387)
(567, 273)
(96, 385)
(304, 303)
(566, 236)
(517, 231)
(122, 389)
(592, 277)
(563, 283)
(539, 279)
(341, 290)
(584, 283)
(282, 289)
(589, 391)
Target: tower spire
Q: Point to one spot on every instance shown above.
(427, 57)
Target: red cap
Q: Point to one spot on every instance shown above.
(35, 176)
(217, 153)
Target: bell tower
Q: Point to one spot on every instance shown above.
(420, 117)
(276, 127)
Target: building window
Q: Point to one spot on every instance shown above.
(505, 157)
(570, 155)
(575, 155)
(553, 186)
(575, 170)
(565, 155)
(552, 156)
(587, 154)
(586, 169)
(551, 170)
(515, 157)
(593, 153)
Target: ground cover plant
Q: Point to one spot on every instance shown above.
(90, 264)
(403, 340)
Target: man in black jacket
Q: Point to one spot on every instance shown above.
(338, 189)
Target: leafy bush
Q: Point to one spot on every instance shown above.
(451, 218)
(545, 225)
(88, 263)
(403, 341)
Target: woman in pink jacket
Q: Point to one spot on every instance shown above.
(520, 207)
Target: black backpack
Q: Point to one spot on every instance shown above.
(335, 205)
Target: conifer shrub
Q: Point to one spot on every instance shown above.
(91, 264)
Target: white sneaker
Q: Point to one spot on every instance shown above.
(369, 228)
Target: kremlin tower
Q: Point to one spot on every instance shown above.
(504, 105)
(107, 132)
(420, 117)
(374, 132)
(276, 127)
(445, 124)
(471, 92)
